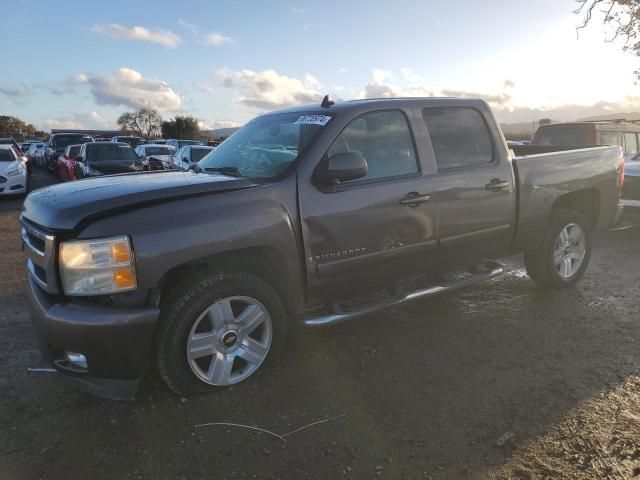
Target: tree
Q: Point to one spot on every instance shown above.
(180, 127)
(622, 16)
(144, 122)
(16, 128)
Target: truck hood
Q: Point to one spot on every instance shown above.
(66, 205)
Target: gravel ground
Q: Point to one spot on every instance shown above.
(500, 381)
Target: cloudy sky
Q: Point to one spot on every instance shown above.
(71, 64)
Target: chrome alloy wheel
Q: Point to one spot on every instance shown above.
(569, 250)
(229, 340)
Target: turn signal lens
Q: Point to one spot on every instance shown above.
(124, 278)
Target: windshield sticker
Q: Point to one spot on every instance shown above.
(313, 120)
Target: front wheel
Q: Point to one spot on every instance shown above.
(218, 329)
(565, 252)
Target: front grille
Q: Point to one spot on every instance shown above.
(40, 250)
(631, 188)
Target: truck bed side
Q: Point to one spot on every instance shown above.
(585, 179)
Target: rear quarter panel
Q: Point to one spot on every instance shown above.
(545, 178)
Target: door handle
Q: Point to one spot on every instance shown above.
(495, 185)
(413, 199)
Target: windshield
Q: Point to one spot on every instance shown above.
(6, 156)
(182, 143)
(110, 152)
(63, 141)
(267, 145)
(74, 151)
(563, 136)
(159, 151)
(198, 154)
(135, 141)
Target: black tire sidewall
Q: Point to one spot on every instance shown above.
(180, 312)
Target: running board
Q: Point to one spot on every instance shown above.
(493, 269)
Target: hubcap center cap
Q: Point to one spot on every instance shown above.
(229, 339)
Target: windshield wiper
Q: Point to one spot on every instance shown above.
(229, 170)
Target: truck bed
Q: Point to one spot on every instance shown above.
(589, 174)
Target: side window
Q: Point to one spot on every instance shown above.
(610, 138)
(384, 140)
(459, 136)
(630, 143)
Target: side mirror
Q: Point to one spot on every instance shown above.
(342, 167)
(79, 159)
(185, 159)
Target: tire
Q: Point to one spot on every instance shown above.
(190, 312)
(540, 263)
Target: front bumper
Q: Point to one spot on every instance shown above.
(11, 185)
(117, 343)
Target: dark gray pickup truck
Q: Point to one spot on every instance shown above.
(309, 215)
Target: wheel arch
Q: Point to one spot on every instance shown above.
(586, 201)
(264, 262)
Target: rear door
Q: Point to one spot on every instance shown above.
(376, 229)
(476, 198)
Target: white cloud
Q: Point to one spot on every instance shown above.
(410, 75)
(216, 39)
(81, 120)
(268, 90)
(128, 87)
(381, 76)
(15, 90)
(342, 70)
(163, 37)
(189, 26)
(215, 124)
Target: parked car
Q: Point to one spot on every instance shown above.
(156, 157)
(588, 134)
(190, 155)
(133, 141)
(57, 144)
(156, 141)
(36, 154)
(312, 215)
(178, 144)
(31, 152)
(12, 142)
(67, 164)
(106, 158)
(14, 176)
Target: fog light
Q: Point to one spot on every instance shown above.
(76, 359)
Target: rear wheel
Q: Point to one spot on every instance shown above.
(218, 330)
(565, 252)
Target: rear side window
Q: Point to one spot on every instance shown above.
(563, 136)
(383, 138)
(459, 136)
(610, 138)
(630, 143)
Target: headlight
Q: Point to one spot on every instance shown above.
(97, 267)
(17, 171)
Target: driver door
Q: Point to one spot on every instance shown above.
(367, 232)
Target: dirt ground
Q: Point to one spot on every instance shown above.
(499, 381)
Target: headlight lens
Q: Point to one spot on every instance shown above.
(17, 171)
(97, 267)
